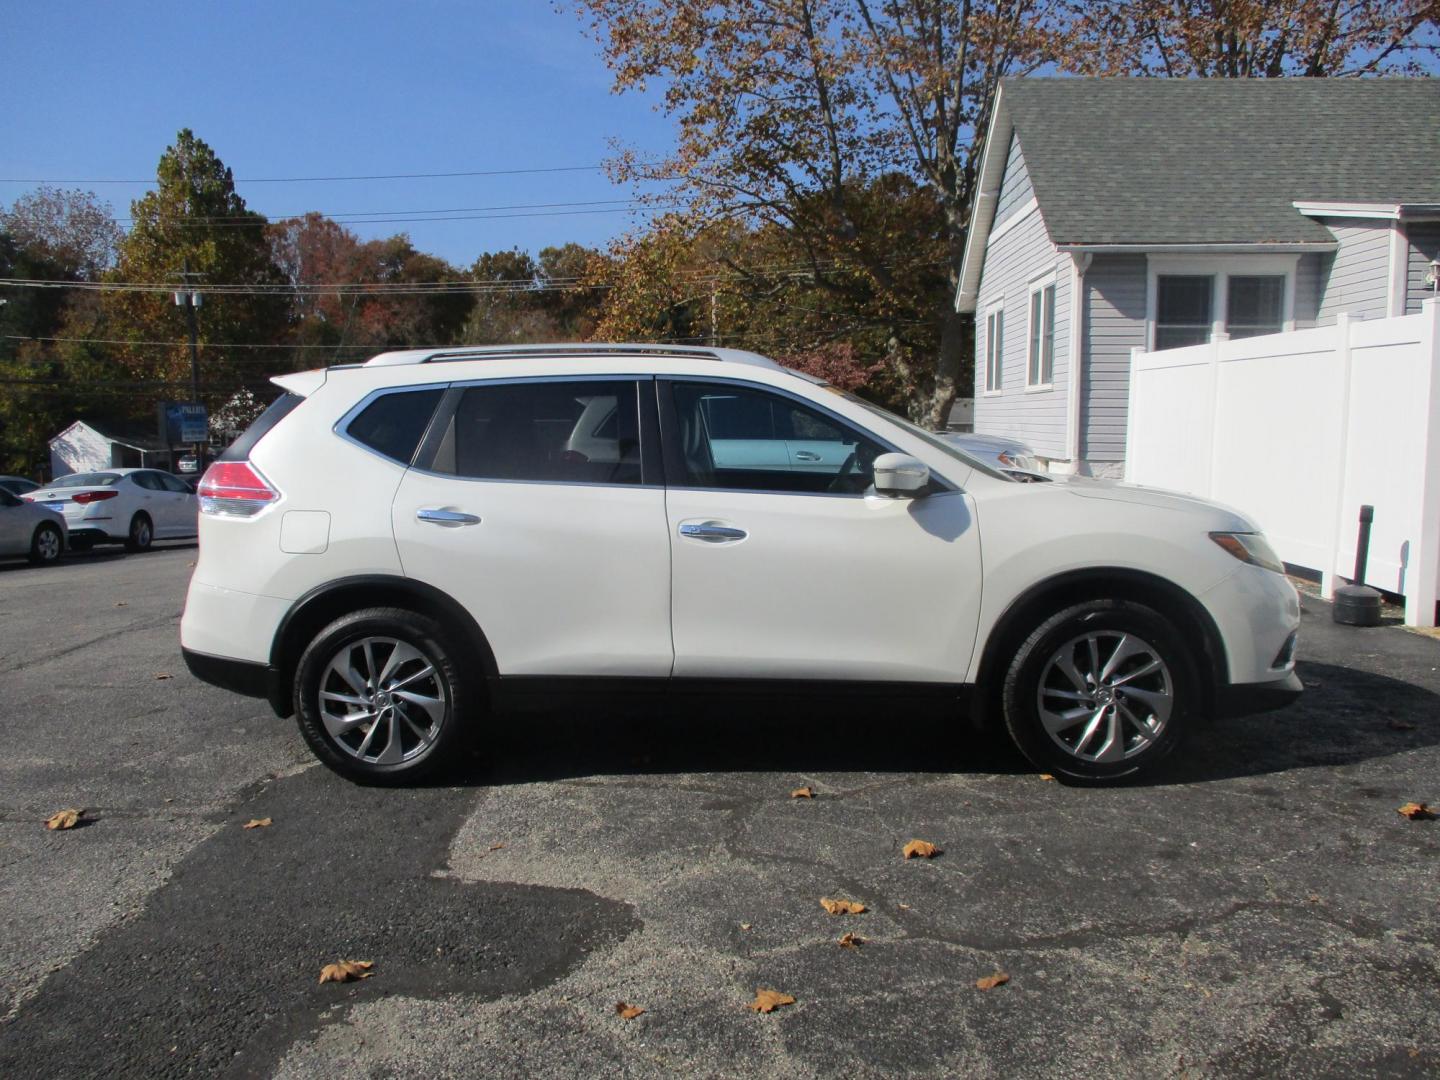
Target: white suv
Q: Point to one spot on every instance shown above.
(399, 550)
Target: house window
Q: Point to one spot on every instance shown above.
(1040, 370)
(1255, 305)
(994, 349)
(1184, 307)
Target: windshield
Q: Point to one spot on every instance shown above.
(86, 479)
(929, 437)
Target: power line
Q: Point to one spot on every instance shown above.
(336, 215)
(565, 284)
(332, 179)
(254, 223)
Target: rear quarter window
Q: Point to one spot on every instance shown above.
(393, 424)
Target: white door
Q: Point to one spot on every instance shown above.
(150, 496)
(801, 575)
(181, 506)
(560, 554)
(16, 526)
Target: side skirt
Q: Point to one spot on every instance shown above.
(539, 693)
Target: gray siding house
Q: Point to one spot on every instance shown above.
(1115, 214)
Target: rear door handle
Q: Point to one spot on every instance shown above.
(450, 518)
(712, 532)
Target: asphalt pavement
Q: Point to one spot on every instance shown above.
(1260, 908)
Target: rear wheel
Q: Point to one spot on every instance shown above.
(1100, 691)
(141, 533)
(47, 544)
(379, 696)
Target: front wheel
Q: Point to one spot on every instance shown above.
(46, 545)
(379, 696)
(1100, 691)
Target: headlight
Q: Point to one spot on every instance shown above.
(1252, 548)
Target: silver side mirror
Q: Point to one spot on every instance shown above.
(900, 476)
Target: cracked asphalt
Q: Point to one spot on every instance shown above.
(1259, 909)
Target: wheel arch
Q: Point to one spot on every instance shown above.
(1045, 598)
(326, 603)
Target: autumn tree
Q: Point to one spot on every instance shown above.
(194, 222)
(52, 369)
(787, 108)
(72, 229)
(1256, 38)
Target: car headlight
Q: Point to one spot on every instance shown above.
(1252, 548)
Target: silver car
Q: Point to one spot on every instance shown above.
(30, 529)
(1007, 455)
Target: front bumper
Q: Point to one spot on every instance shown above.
(1247, 699)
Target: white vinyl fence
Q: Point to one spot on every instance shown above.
(1298, 431)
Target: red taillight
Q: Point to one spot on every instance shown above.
(93, 496)
(235, 488)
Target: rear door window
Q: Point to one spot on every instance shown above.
(581, 432)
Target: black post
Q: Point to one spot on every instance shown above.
(1357, 604)
(1362, 545)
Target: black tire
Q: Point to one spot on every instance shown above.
(141, 534)
(428, 739)
(1173, 688)
(47, 545)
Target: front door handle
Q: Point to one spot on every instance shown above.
(712, 532)
(451, 518)
(806, 455)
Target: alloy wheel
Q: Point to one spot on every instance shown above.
(1105, 696)
(47, 545)
(382, 700)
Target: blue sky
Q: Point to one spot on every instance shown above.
(325, 88)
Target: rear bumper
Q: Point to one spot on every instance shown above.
(241, 677)
(1247, 699)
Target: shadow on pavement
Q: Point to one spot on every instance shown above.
(1346, 716)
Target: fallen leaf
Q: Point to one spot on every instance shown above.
(496, 847)
(1046, 776)
(1416, 811)
(346, 970)
(770, 1000)
(922, 849)
(903, 907)
(162, 675)
(122, 603)
(850, 941)
(803, 793)
(1401, 725)
(746, 925)
(64, 819)
(842, 907)
(628, 1012)
(259, 823)
(989, 982)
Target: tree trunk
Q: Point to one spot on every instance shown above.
(950, 374)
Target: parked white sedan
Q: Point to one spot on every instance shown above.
(129, 506)
(27, 529)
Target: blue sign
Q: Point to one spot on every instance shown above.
(186, 422)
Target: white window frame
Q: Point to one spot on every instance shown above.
(1219, 268)
(995, 388)
(1047, 332)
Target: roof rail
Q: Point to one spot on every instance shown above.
(487, 352)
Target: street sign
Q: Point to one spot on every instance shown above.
(184, 422)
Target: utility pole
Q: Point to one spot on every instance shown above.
(189, 297)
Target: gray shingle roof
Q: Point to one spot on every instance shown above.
(1170, 161)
